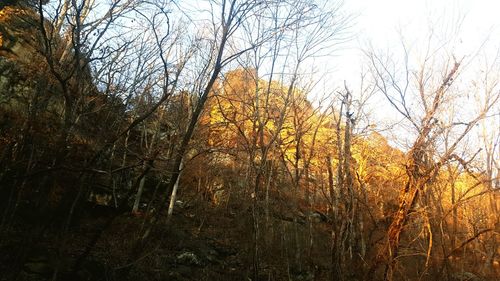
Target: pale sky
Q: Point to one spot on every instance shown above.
(378, 21)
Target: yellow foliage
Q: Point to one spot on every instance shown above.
(8, 12)
(240, 105)
(3, 13)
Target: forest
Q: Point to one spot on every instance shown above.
(203, 140)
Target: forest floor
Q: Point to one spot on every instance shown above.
(200, 243)
(203, 241)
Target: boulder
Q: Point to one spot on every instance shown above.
(189, 258)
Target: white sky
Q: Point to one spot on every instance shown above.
(378, 21)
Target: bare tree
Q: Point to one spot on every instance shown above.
(422, 96)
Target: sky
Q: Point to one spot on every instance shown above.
(377, 23)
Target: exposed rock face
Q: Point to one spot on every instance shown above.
(18, 32)
(39, 90)
(23, 69)
(23, 52)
